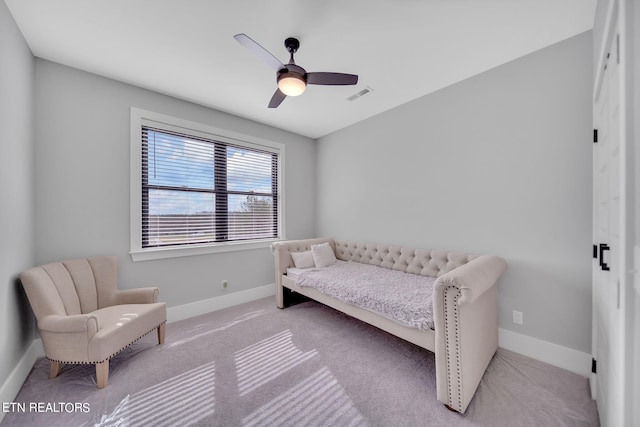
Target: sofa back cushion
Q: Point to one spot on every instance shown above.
(84, 282)
(63, 282)
(42, 292)
(105, 272)
(417, 261)
(76, 286)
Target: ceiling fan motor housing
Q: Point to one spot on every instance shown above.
(292, 70)
(292, 44)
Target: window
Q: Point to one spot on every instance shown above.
(201, 189)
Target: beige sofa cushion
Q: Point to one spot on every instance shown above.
(85, 284)
(60, 278)
(323, 255)
(303, 259)
(123, 324)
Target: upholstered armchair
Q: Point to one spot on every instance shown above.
(82, 315)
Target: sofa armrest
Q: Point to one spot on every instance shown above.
(474, 278)
(66, 338)
(466, 326)
(147, 295)
(73, 323)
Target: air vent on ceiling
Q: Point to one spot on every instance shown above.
(363, 92)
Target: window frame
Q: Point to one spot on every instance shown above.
(140, 117)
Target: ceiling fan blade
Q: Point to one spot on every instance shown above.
(259, 51)
(277, 99)
(331, 79)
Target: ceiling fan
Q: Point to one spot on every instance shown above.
(292, 79)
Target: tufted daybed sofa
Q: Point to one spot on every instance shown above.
(465, 312)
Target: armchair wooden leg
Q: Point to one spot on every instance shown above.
(54, 369)
(161, 333)
(102, 373)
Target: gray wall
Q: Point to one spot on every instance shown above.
(499, 163)
(16, 190)
(82, 183)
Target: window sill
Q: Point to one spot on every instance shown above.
(149, 254)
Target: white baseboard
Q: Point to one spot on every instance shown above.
(12, 385)
(197, 308)
(544, 351)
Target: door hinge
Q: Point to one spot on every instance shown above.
(595, 135)
(595, 251)
(593, 366)
(617, 48)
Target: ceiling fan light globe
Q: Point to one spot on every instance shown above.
(291, 85)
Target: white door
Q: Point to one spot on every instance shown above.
(608, 333)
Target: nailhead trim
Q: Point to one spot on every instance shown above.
(112, 355)
(448, 347)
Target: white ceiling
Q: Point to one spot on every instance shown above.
(403, 49)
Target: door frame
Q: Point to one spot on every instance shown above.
(619, 23)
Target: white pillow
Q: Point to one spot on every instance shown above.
(323, 255)
(302, 259)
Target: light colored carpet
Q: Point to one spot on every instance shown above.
(307, 365)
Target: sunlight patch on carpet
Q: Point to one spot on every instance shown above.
(319, 400)
(182, 400)
(263, 361)
(236, 321)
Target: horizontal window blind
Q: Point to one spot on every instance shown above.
(197, 190)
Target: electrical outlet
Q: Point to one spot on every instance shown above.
(517, 317)
(225, 284)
